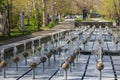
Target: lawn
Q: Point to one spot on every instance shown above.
(81, 19)
(16, 32)
(28, 30)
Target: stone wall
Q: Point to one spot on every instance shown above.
(97, 24)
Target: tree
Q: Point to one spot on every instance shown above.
(1, 5)
(31, 9)
(44, 12)
(109, 8)
(58, 8)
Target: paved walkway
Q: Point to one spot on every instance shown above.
(67, 24)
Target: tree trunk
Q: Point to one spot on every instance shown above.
(8, 18)
(119, 8)
(22, 27)
(44, 13)
(52, 11)
(116, 12)
(28, 20)
(59, 17)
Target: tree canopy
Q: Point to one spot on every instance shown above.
(109, 8)
(34, 9)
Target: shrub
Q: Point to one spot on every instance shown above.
(78, 19)
(52, 24)
(62, 19)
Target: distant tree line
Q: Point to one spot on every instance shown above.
(44, 11)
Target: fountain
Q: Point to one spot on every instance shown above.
(43, 60)
(33, 64)
(49, 54)
(25, 55)
(70, 60)
(15, 58)
(65, 52)
(3, 63)
(39, 47)
(65, 66)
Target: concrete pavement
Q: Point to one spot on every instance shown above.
(67, 24)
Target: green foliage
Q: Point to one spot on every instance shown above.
(62, 19)
(52, 24)
(31, 21)
(15, 32)
(109, 8)
(108, 19)
(1, 2)
(78, 19)
(89, 19)
(1, 5)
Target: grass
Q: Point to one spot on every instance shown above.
(108, 19)
(62, 19)
(28, 30)
(81, 19)
(16, 32)
(78, 19)
(89, 19)
(52, 24)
